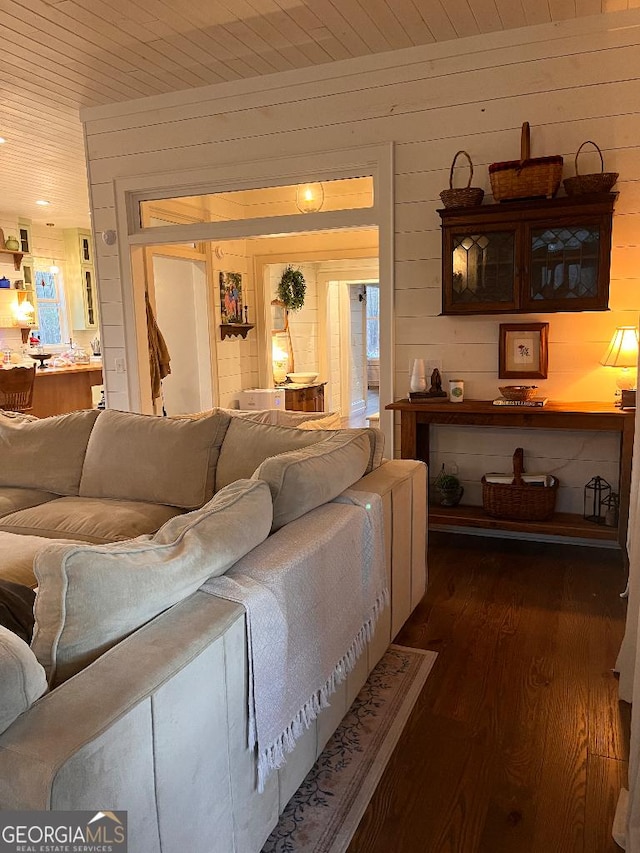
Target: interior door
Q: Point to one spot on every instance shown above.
(181, 303)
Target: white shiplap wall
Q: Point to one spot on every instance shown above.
(572, 81)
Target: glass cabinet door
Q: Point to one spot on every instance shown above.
(482, 271)
(564, 267)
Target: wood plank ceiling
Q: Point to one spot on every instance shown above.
(61, 55)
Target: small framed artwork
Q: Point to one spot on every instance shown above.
(231, 297)
(523, 351)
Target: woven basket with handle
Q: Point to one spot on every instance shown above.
(599, 182)
(518, 500)
(464, 196)
(537, 177)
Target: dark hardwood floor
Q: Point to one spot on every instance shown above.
(518, 743)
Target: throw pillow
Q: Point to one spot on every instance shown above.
(304, 479)
(149, 458)
(92, 596)
(23, 679)
(45, 454)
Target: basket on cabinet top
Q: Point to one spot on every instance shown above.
(537, 177)
(599, 182)
(519, 501)
(462, 196)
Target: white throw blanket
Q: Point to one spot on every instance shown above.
(313, 592)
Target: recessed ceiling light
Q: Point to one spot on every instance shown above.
(42, 202)
(2, 140)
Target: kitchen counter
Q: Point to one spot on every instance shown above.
(71, 368)
(65, 389)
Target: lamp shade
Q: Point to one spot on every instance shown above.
(623, 349)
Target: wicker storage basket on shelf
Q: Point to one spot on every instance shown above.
(463, 196)
(537, 177)
(599, 182)
(519, 501)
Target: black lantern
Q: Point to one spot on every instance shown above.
(596, 492)
(611, 506)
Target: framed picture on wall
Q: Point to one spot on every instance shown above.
(231, 304)
(523, 351)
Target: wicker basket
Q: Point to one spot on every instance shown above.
(519, 393)
(464, 196)
(519, 501)
(597, 183)
(526, 178)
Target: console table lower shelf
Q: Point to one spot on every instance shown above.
(416, 420)
(561, 524)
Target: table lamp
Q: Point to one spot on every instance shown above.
(623, 354)
(279, 361)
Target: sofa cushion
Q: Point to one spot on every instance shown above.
(284, 417)
(247, 445)
(333, 420)
(45, 454)
(304, 479)
(261, 416)
(22, 677)
(148, 458)
(17, 554)
(96, 520)
(12, 499)
(92, 596)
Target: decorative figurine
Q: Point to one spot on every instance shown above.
(436, 385)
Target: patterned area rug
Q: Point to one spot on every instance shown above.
(324, 813)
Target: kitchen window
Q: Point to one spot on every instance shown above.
(49, 295)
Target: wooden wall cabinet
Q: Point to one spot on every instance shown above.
(527, 256)
(81, 286)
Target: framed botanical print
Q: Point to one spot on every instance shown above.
(523, 351)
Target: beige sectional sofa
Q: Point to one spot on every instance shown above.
(133, 694)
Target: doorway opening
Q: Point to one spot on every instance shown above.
(329, 335)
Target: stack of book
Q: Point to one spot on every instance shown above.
(533, 402)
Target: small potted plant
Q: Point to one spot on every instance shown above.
(450, 489)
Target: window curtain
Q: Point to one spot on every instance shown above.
(626, 829)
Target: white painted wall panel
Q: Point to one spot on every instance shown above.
(574, 81)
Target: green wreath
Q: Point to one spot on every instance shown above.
(291, 289)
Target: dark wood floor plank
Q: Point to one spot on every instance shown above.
(525, 670)
(605, 777)
(563, 779)
(502, 753)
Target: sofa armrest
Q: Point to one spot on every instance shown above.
(108, 741)
(402, 485)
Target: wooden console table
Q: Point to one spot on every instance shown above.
(415, 421)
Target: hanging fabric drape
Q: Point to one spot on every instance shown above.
(159, 358)
(626, 830)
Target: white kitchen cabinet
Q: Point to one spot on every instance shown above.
(80, 285)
